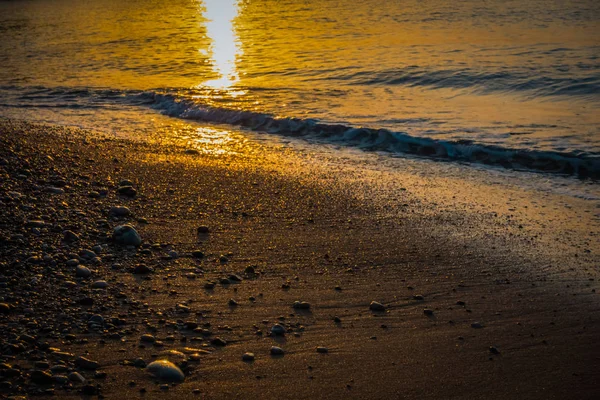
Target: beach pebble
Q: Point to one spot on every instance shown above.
(197, 254)
(477, 325)
(166, 370)
(70, 236)
(277, 351)
(76, 377)
(173, 254)
(218, 342)
(248, 357)
(96, 319)
(301, 305)
(99, 285)
(41, 377)
(119, 212)
(278, 330)
(232, 303)
(322, 350)
(142, 269)
(82, 272)
(72, 262)
(126, 235)
(54, 190)
(147, 338)
(4, 308)
(376, 306)
(128, 191)
(203, 229)
(85, 363)
(428, 312)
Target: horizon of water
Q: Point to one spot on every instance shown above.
(508, 83)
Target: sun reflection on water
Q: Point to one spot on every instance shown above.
(224, 49)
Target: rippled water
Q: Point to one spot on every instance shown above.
(497, 81)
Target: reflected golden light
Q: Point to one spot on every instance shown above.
(220, 15)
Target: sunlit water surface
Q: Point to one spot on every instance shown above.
(499, 75)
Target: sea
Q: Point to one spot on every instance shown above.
(509, 84)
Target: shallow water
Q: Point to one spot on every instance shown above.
(512, 83)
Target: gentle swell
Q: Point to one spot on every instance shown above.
(583, 166)
(481, 82)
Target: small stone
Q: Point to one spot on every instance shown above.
(82, 272)
(139, 363)
(89, 390)
(70, 236)
(428, 312)
(41, 377)
(147, 338)
(277, 351)
(141, 269)
(418, 297)
(72, 262)
(232, 303)
(376, 306)
(322, 350)
(128, 191)
(197, 254)
(85, 363)
(278, 330)
(166, 370)
(209, 285)
(203, 229)
(119, 212)
(99, 285)
(301, 305)
(250, 270)
(477, 325)
(248, 357)
(126, 235)
(76, 377)
(4, 308)
(218, 342)
(460, 303)
(54, 190)
(494, 350)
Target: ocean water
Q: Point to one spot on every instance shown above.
(508, 83)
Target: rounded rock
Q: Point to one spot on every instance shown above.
(126, 235)
(278, 330)
(376, 306)
(82, 272)
(166, 370)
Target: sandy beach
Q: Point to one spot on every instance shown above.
(371, 283)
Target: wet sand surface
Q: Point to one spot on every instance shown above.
(482, 289)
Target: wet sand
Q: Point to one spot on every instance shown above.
(488, 290)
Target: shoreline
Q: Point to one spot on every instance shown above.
(508, 314)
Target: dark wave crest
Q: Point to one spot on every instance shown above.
(583, 165)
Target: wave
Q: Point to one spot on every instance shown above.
(582, 165)
(479, 82)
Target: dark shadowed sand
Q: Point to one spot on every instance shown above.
(487, 290)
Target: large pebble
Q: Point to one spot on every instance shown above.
(126, 235)
(85, 363)
(376, 306)
(166, 370)
(82, 272)
(278, 330)
(119, 212)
